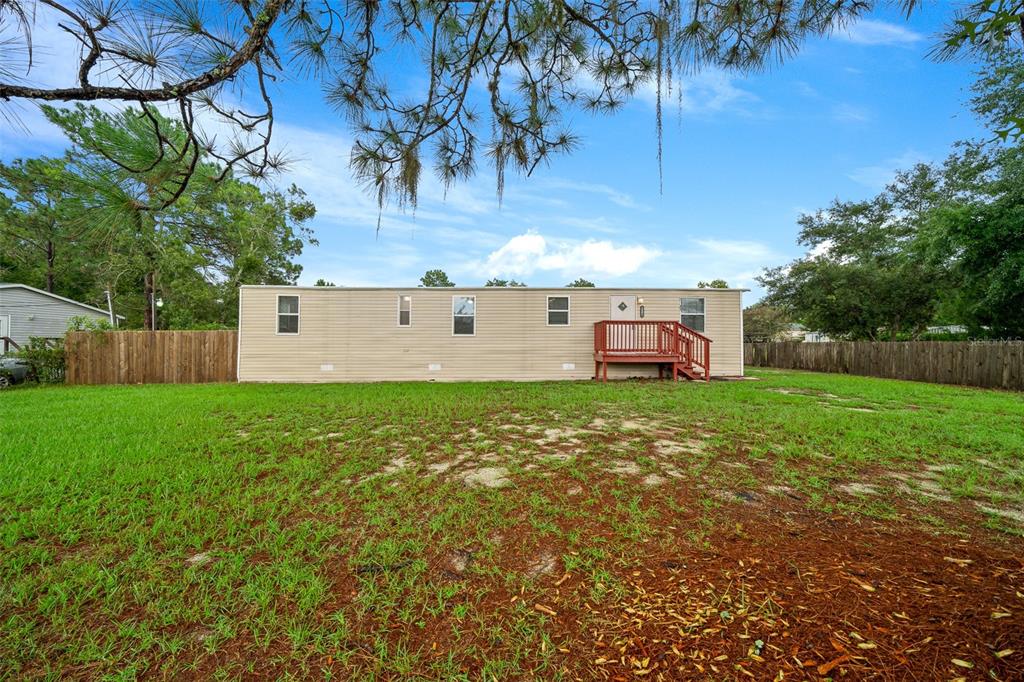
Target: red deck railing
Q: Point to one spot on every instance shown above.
(661, 340)
(642, 337)
(698, 348)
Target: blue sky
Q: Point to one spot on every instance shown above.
(743, 158)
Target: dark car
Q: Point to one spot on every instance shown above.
(13, 370)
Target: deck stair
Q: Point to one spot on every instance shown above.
(678, 351)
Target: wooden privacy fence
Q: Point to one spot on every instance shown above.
(161, 357)
(990, 364)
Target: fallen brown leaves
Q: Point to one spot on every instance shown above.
(829, 599)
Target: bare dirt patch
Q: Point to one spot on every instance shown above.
(545, 564)
(921, 484)
(1013, 514)
(487, 477)
(669, 448)
(621, 467)
(200, 559)
(859, 489)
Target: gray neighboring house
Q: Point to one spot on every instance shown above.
(26, 311)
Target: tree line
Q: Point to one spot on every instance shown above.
(111, 215)
(943, 244)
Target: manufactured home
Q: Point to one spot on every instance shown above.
(27, 312)
(331, 334)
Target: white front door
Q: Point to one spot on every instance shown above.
(622, 307)
(5, 325)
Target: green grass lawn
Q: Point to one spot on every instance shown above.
(511, 531)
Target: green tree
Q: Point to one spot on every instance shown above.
(980, 238)
(127, 181)
(580, 283)
(435, 278)
(238, 234)
(942, 244)
(976, 233)
(713, 284)
(762, 322)
(87, 225)
(999, 95)
(867, 274)
(324, 283)
(38, 229)
(496, 282)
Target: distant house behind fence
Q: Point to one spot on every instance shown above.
(26, 312)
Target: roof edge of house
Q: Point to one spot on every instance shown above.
(17, 285)
(483, 288)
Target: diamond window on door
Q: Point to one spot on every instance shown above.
(622, 306)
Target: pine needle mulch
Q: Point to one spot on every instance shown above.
(796, 595)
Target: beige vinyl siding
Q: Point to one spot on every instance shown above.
(353, 334)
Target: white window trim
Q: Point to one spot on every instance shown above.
(398, 322)
(278, 314)
(567, 311)
(704, 315)
(473, 316)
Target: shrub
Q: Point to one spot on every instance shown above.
(84, 323)
(208, 326)
(46, 362)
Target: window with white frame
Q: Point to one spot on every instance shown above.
(463, 315)
(691, 313)
(287, 314)
(404, 311)
(558, 311)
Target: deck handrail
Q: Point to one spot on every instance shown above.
(658, 337)
(698, 349)
(654, 337)
(8, 342)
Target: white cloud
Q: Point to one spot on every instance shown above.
(879, 175)
(531, 252)
(805, 89)
(875, 32)
(821, 248)
(613, 195)
(738, 262)
(850, 113)
(707, 92)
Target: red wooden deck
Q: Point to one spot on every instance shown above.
(678, 350)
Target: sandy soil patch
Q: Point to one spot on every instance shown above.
(858, 489)
(487, 477)
(545, 564)
(669, 448)
(1015, 515)
(621, 467)
(199, 559)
